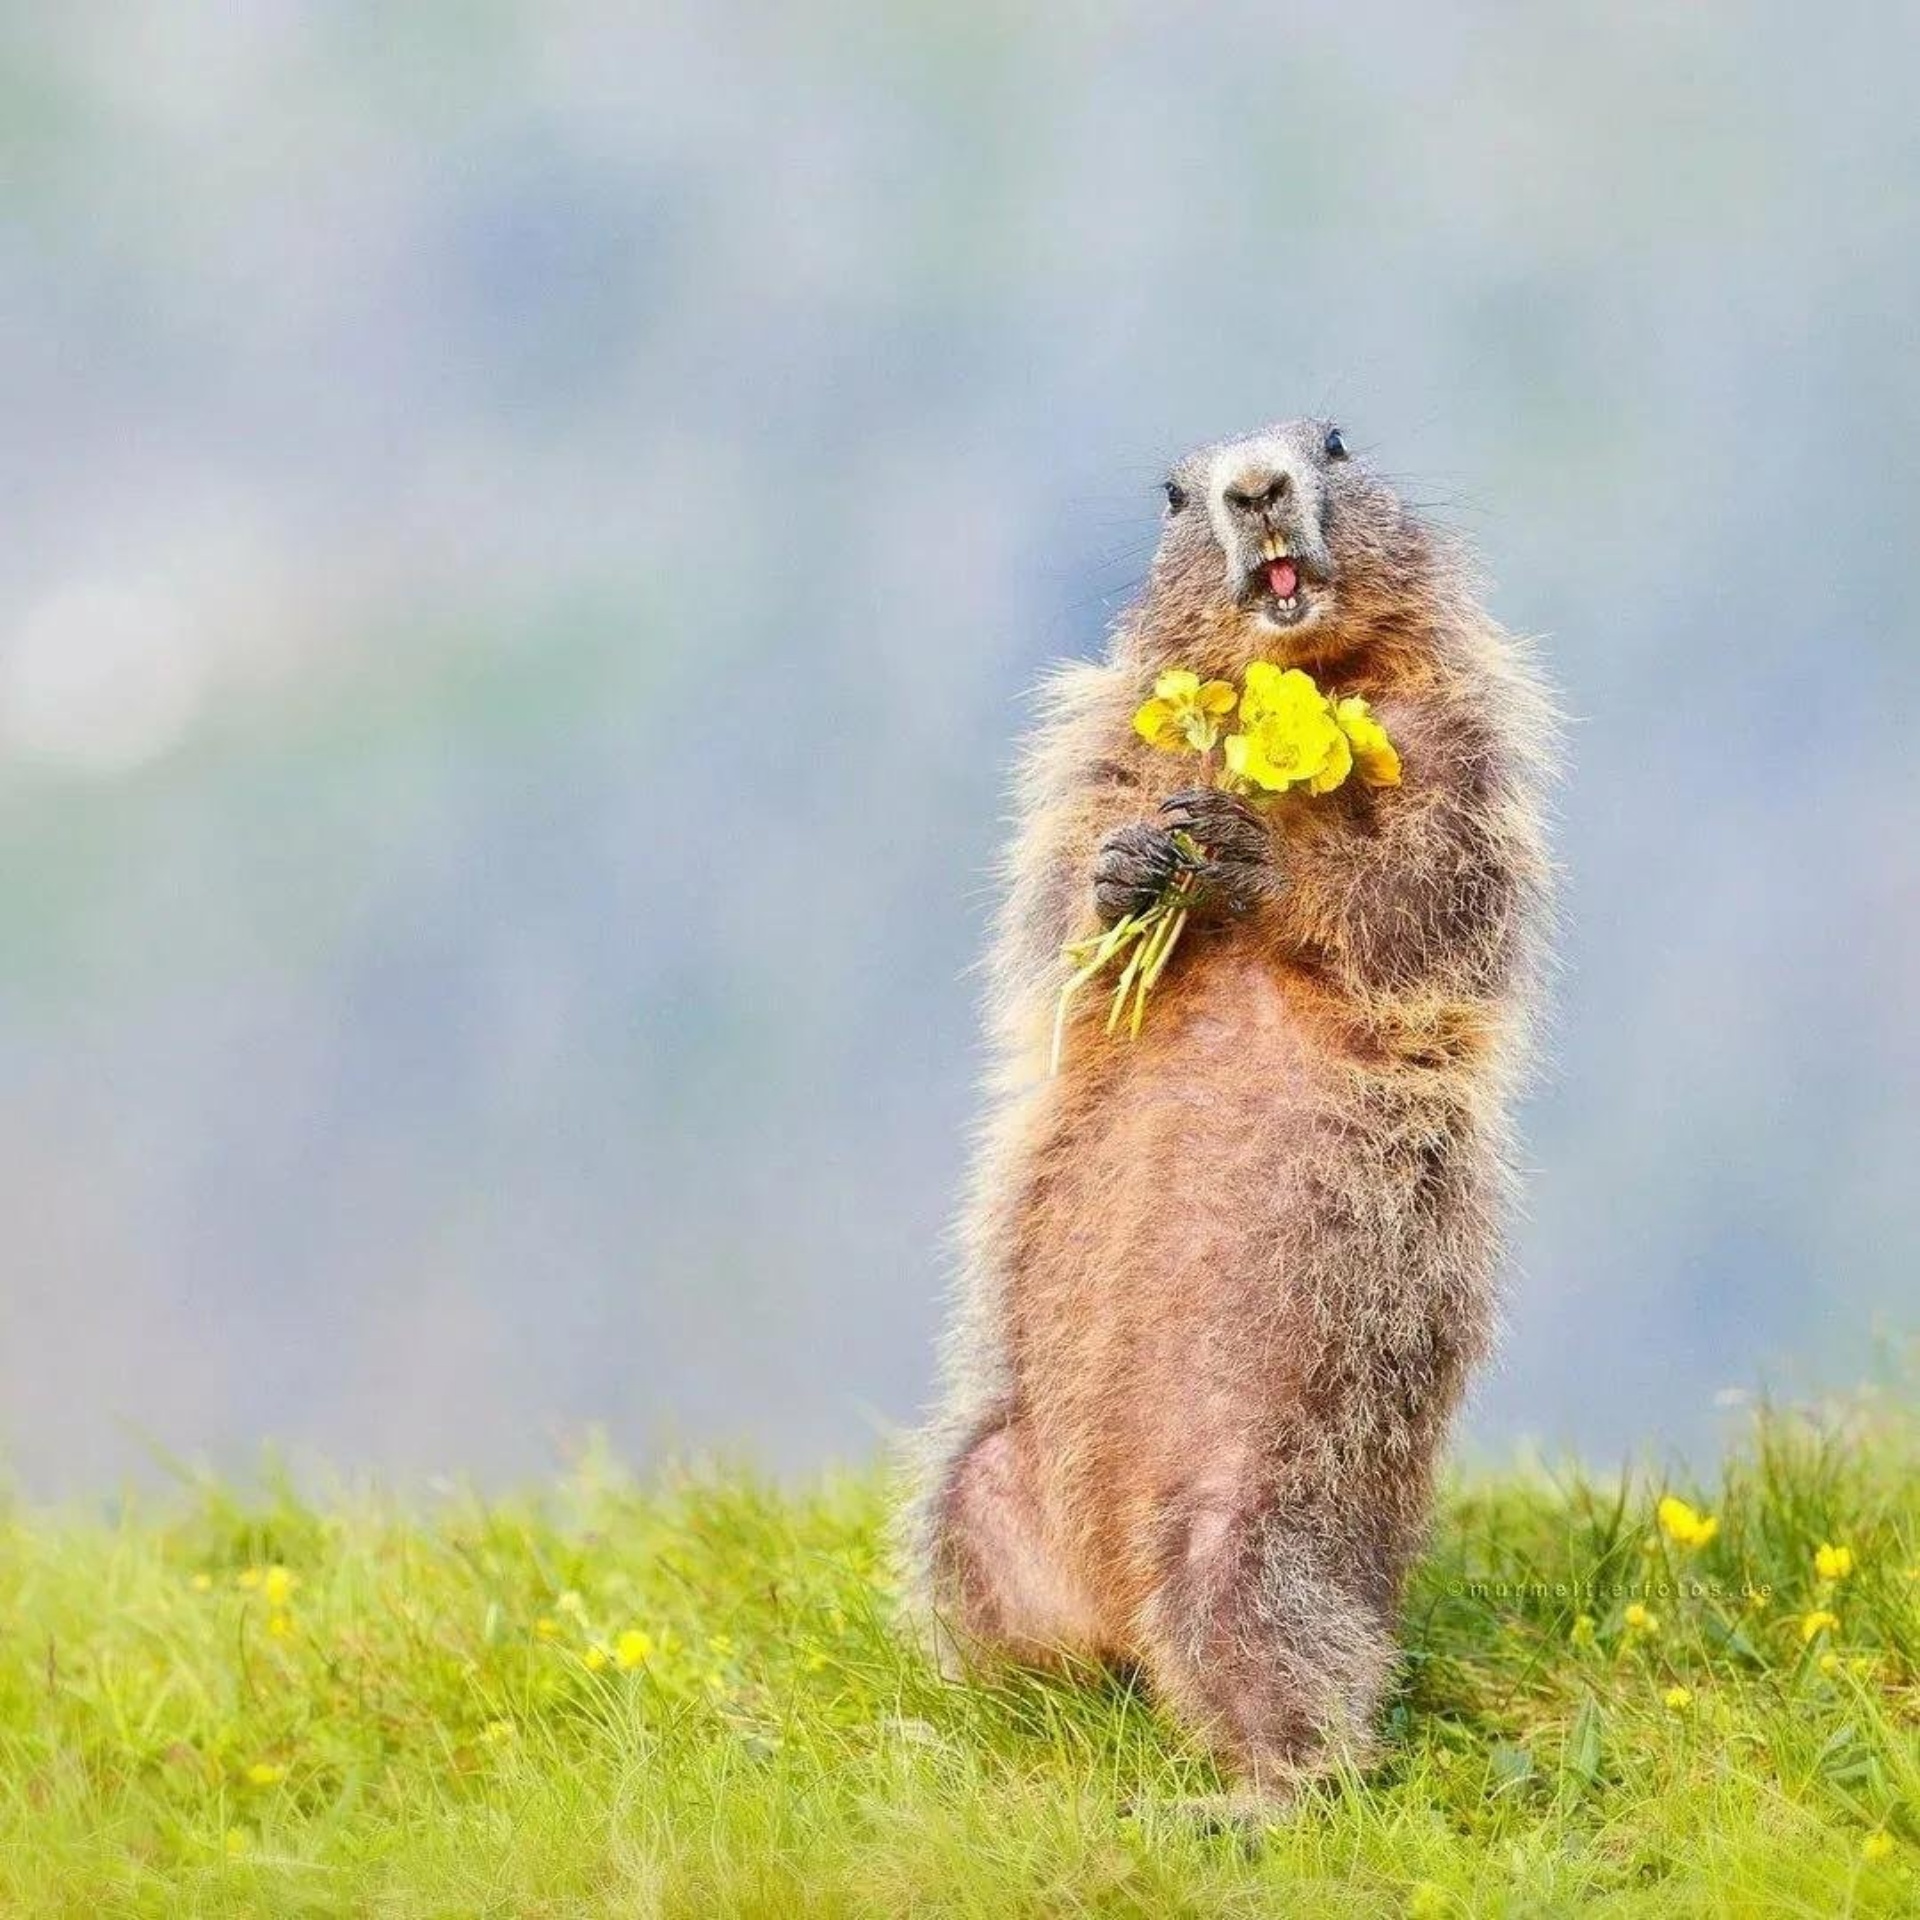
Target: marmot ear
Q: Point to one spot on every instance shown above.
(1336, 446)
(1176, 496)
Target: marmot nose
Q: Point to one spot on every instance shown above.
(1257, 489)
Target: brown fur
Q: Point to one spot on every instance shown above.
(1223, 1285)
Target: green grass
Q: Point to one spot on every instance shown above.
(429, 1729)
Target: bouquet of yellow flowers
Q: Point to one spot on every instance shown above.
(1290, 735)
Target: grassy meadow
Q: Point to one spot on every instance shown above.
(684, 1697)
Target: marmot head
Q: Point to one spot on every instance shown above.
(1282, 547)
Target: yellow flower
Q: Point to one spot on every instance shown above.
(1290, 736)
(264, 1774)
(1829, 1663)
(280, 1625)
(546, 1628)
(1685, 1525)
(1641, 1619)
(1678, 1698)
(1817, 1622)
(1184, 714)
(632, 1649)
(1877, 1845)
(1581, 1633)
(276, 1585)
(1831, 1562)
(238, 1840)
(595, 1658)
(1375, 759)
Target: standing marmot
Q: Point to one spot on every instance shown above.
(1224, 1283)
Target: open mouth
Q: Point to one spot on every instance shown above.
(1278, 588)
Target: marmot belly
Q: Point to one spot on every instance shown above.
(1204, 1208)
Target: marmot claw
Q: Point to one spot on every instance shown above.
(1135, 866)
(1236, 869)
(1223, 823)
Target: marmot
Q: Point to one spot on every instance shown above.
(1223, 1284)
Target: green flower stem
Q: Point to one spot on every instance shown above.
(1137, 973)
(1152, 935)
(1149, 928)
(1123, 930)
(1175, 928)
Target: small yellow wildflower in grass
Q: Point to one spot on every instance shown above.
(1679, 1699)
(1878, 1845)
(632, 1649)
(1685, 1525)
(546, 1628)
(1581, 1632)
(1641, 1619)
(1831, 1562)
(237, 1841)
(1184, 714)
(280, 1625)
(1829, 1663)
(595, 1658)
(276, 1586)
(1817, 1622)
(1291, 735)
(263, 1773)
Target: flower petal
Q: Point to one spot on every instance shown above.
(1155, 721)
(1198, 728)
(1337, 764)
(1373, 753)
(1246, 761)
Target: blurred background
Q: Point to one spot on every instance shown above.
(529, 528)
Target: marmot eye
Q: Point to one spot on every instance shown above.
(1336, 446)
(1176, 496)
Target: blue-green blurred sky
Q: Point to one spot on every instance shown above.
(529, 527)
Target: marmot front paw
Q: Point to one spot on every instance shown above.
(1134, 866)
(1237, 866)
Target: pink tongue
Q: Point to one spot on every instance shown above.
(1282, 579)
